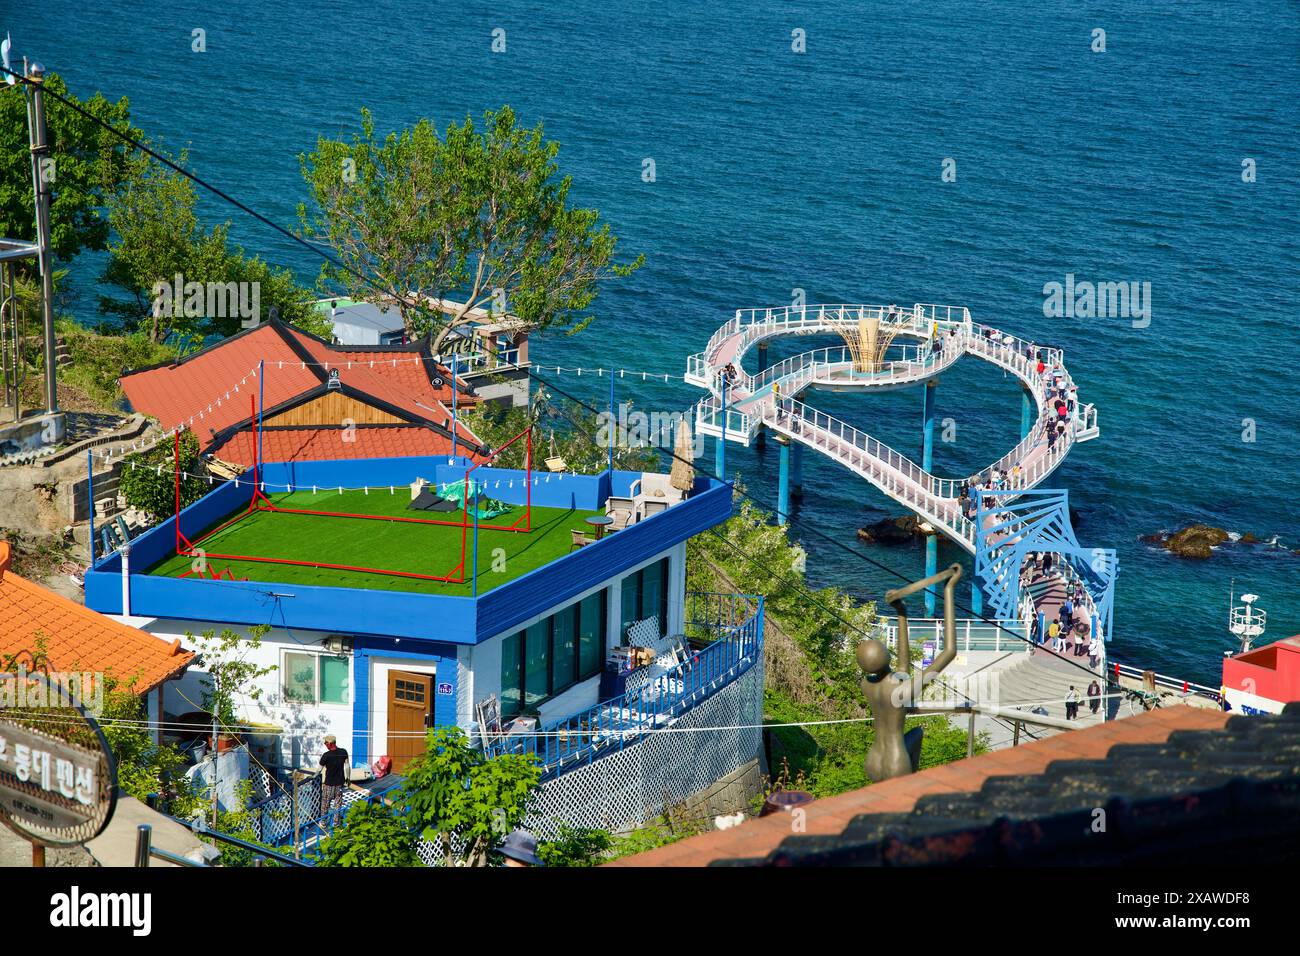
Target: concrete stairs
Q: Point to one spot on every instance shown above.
(1041, 680)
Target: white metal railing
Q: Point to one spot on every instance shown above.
(973, 634)
(891, 471)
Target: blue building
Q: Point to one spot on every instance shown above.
(378, 659)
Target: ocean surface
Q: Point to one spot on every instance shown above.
(821, 171)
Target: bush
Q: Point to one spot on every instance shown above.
(148, 479)
(371, 835)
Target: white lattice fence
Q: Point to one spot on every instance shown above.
(625, 788)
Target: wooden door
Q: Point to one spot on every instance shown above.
(410, 713)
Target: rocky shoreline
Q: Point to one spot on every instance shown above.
(1198, 541)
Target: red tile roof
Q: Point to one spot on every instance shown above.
(321, 444)
(216, 388)
(78, 639)
(758, 837)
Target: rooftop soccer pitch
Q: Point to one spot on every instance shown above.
(392, 546)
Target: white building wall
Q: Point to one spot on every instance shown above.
(302, 726)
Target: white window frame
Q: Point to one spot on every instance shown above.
(316, 657)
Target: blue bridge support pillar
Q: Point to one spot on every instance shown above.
(760, 442)
(796, 470)
(927, 460)
(976, 598)
(1026, 412)
(720, 451)
(783, 482)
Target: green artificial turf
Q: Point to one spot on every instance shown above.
(387, 545)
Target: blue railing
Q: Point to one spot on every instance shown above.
(735, 623)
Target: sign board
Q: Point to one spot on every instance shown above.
(446, 688)
(58, 781)
(927, 653)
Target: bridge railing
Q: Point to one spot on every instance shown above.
(709, 420)
(892, 471)
(973, 634)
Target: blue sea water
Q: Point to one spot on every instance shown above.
(821, 171)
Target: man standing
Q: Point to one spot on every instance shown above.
(1094, 696)
(335, 762)
(1072, 704)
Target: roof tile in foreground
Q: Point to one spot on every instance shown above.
(78, 639)
(830, 817)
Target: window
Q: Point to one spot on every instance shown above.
(552, 655)
(315, 678)
(645, 594)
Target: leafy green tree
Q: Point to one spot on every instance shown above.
(479, 216)
(157, 235)
(371, 835)
(89, 162)
(470, 801)
(148, 479)
(143, 766)
(228, 675)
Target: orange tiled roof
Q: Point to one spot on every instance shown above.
(829, 816)
(320, 444)
(217, 383)
(79, 639)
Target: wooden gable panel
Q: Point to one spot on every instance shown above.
(331, 409)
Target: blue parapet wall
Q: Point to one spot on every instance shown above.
(427, 617)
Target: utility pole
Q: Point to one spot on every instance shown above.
(42, 174)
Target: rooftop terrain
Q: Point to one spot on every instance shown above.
(384, 545)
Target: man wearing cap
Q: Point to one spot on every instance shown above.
(335, 762)
(520, 849)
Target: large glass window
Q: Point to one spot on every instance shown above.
(511, 675)
(564, 648)
(591, 636)
(552, 655)
(537, 680)
(315, 678)
(645, 594)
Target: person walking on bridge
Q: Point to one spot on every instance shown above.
(1094, 696)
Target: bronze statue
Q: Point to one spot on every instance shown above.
(894, 694)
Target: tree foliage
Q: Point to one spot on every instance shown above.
(148, 480)
(229, 677)
(372, 835)
(576, 846)
(470, 801)
(89, 162)
(157, 235)
(479, 215)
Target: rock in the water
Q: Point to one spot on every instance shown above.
(1195, 541)
(899, 530)
(1248, 538)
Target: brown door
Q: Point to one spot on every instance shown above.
(410, 709)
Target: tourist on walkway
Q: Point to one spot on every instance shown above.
(1094, 653)
(1054, 634)
(1094, 696)
(335, 762)
(1072, 704)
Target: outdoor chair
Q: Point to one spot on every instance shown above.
(622, 510)
(580, 540)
